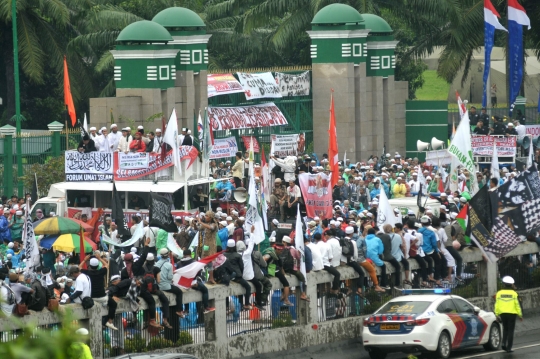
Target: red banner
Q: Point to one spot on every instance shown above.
(247, 143)
(155, 163)
(317, 193)
(235, 118)
(483, 145)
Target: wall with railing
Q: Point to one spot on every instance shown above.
(229, 332)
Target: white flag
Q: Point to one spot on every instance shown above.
(299, 241)
(495, 162)
(461, 150)
(531, 154)
(253, 217)
(85, 126)
(385, 213)
(30, 245)
(171, 138)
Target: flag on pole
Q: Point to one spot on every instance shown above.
(265, 187)
(461, 150)
(385, 213)
(461, 106)
(517, 18)
(68, 100)
(84, 127)
(530, 160)
(208, 136)
(117, 214)
(332, 145)
(491, 22)
(495, 162)
(253, 215)
(30, 245)
(185, 276)
(463, 219)
(345, 159)
(171, 138)
(299, 241)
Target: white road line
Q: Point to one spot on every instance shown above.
(498, 351)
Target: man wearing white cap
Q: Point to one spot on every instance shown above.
(114, 137)
(16, 226)
(102, 141)
(158, 141)
(93, 133)
(507, 310)
(80, 347)
(125, 141)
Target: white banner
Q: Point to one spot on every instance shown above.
(222, 84)
(293, 84)
(132, 160)
(261, 85)
(92, 166)
(439, 157)
(235, 118)
(461, 149)
(284, 145)
(224, 147)
(533, 130)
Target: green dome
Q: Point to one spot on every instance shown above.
(178, 17)
(376, 23)
(337, 14)
(144, 31)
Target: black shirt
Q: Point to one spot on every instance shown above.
(89, 147)
(511, 131)
(474, 118)
(481, 131)
(97, 281)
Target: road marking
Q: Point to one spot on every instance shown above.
(498, 351)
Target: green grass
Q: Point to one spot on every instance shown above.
(435, 88)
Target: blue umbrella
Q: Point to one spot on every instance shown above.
(47, 241)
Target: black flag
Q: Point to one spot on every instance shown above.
(117, 214)
(481, 205)
(160, 213)
(419, 200)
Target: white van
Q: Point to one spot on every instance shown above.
(407, 204)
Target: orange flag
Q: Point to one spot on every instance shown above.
(68, 100)
(332, 144)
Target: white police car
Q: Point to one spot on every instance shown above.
(429, 321)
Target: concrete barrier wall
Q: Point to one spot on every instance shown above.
(307, 332)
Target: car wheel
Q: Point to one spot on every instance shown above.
(444, 346)
(377, 354)
(494, 338)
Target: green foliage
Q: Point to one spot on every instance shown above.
(184, 338)
(159, 343)
(135, 345)
(52, 171)
(435, 88)
(50, 343)
(282, 321)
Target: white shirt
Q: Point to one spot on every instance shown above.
(123, 143)
(415, 185)
(158, 141)
(317, 257)
(326, 253)
(521, 131)
(82, 284)
(443, 237)
(407, 237)
(102, 144)
(336, 251)
(151, 232)
(248, 273)
(294, 192)
(114, 138)
(7, 309)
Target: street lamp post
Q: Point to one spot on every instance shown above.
(18, 143)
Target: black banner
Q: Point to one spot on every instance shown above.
(117, 215)
(160, 213)
(481, 205)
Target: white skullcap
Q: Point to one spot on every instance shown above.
(158, 130)
(189, 132)
(287, 239)
(219, 209)
(428, 178)
(103, 128)
(18, 213)
(140, 127)
(275, 221)
(316, 218)
(223, 223)
(82, 331)
(229, 218)
(349, 230)
(150, 257)
(114, 125)
(453, 215)
(94, 262)
(340, 219)
(92, 129)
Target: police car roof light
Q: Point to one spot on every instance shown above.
(426, 291)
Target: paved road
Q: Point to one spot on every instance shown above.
(526, 346)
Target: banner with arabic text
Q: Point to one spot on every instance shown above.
(235, 118)
(261, 85)
(223, 84)
(92, 166)
(483, 145)
(317, 194)
(293, 84)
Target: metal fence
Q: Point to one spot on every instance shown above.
(531, 114)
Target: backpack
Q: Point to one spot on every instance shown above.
(347, 247)
(287, 260)
(183, 239)
(149, 280)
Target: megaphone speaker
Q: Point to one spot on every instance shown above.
(524, 142)
(240, 195)
(436, 144)
(536, 141)
(421, 146)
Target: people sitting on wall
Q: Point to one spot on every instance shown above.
(86, 145)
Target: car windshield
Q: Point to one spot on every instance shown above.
(404, 307)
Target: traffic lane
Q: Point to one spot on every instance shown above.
(526, 346)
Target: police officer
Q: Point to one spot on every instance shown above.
(507, 309)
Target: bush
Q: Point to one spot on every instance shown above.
(283, 321)
(135, 345)
(159, 343)
(184, 338)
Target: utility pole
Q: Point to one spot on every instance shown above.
(18, 144)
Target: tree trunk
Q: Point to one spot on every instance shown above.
(7, 53)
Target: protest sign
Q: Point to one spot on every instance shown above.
(92, 166)
(224, 147)
(439, 157)
(293, 84)
(247, 141)
(533, 130)
(317, 194)
(132, 160)
(261, 85)
(223, 84)
(234, 118)
(483, 145)
(284, 145)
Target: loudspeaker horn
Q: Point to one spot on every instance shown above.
(240, 195)
(524, 142)
(436, 144)
(536, 141)
(422, 146)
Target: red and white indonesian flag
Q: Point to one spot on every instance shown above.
(491, 16)
(461, 105)
(517, 13)
(185, 276)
